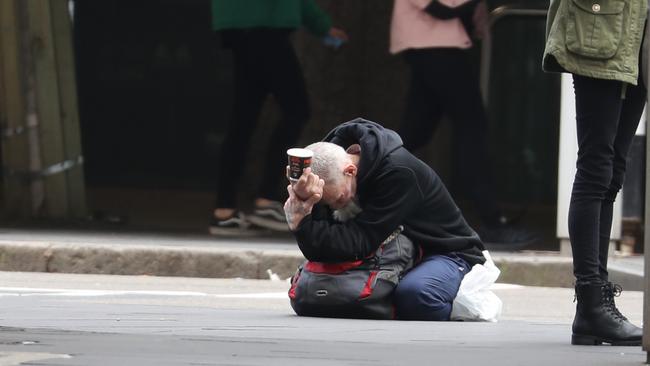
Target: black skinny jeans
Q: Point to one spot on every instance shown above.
(606, 125)
(443, 82)
(265, 63)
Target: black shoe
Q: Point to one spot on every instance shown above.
(599, 321)
(506, 237)
(236, 225)
(269, 217)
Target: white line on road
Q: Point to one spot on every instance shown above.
(18, 358)
(28, 291)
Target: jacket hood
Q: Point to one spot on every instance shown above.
(375, 140)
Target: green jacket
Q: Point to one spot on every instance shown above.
(234, 14)
(595, 38)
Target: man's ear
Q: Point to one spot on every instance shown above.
(354, 149)
(350, 170)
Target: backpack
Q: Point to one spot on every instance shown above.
(358, 289)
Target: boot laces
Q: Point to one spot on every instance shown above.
(610, 291)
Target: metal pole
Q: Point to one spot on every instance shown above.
(646, 251)
(645, 54)
(31, 113)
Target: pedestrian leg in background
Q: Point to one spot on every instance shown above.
(287, 84)
(471, 157)
(423, 111)
(443, 82)
(249, 96)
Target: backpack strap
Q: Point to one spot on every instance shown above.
(393, 235)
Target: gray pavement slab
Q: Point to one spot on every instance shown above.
(66, 319)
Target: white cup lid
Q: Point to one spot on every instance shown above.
(300, 153)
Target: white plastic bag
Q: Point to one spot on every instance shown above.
(475, 301)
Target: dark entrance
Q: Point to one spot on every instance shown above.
(152, 91)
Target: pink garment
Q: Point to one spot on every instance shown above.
(413, 27)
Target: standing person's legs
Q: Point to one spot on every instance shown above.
(287, 84)
(598, 107)
(423, 111)
(464, 104)
(599, 126)
(427, 292)
(631, 111)
(249, 95)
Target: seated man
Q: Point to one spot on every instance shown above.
(361, 186)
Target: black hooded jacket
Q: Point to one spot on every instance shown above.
(393, 188)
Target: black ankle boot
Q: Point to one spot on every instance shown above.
(598, 320)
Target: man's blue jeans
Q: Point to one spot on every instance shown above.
(428, 290)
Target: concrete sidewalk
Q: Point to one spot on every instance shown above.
(145, 320)
(192, 255)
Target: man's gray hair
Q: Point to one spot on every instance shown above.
(328, 161)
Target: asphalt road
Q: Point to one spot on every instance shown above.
(57, 319)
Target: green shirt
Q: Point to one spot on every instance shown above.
(237, 14)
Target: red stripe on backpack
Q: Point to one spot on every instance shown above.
(331, 268)
(367, 289)
(294, 284)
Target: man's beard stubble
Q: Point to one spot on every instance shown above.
(350, 211)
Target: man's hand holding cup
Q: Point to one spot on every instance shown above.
(306, 188)
(305, 184)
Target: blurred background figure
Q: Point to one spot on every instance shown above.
(435, 37)
(265, 63)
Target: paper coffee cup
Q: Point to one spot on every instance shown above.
(298, 160)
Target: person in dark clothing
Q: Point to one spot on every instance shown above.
(435, 39)
(265, 63)
(361, 186)
(610, 96)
